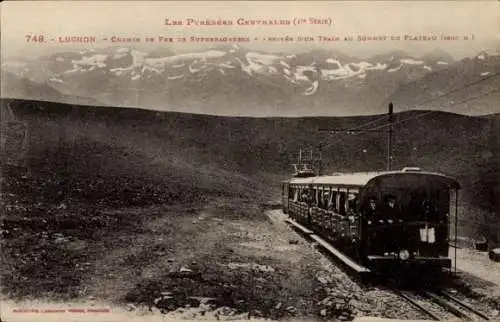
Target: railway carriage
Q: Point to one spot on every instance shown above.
(378, 218)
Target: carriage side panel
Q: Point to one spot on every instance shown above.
(285, 191)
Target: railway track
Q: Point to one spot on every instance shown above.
(438, 305)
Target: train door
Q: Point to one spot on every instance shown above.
(285, 196)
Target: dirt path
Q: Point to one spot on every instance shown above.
(478, 264)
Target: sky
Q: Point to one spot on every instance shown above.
(478, 20)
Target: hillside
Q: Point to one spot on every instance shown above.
(100, 195)
(124, 204)
(91, 145)
(213, 149)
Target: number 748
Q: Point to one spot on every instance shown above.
(35, 38)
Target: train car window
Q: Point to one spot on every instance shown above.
(422, 204)
(329, 202)
(332, 205)
(352, 203)
(319, 195)
(337, 201)
(342, 203)
(326, 199)
(391, 208)
(303, 195)
(319, 198)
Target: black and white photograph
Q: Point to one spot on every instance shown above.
(250, 161)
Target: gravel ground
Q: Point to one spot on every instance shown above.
(477, 303)
(340, 289)
(226, 260)
(478, 280)
(478, 264)
(223, 259)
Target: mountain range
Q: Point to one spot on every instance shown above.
(235, 81)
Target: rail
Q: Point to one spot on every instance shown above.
(444, 300)
(410, 298)
(464, 305)
(421, 299)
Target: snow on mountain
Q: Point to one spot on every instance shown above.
(227, 65)
(313, 89)
(175, 77)
(302, 69)
(146, 68)
(97, 60)
(86, 51)
(54, 79)
(193, 69)
(248, 68)
(362, 65)
(331, 74)
(334, 61)
(134, 64)
(392, 70)
(118, 56)
(412, 62)
(285, 64)
(378, 66)
(119, 70)
(263, 64)
(142, 63)
(349, 70)
(138, 57)
(262, 58)
(122, 50)
(183, 57)
(75, 69)
(114, 75)
(299, 73)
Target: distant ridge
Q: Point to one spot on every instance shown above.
(233, 81)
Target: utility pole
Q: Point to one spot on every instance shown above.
(376, 129)
(389, 137)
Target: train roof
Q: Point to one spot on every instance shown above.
(360, 179)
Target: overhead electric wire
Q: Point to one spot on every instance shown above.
(413, 116)
(429, 112)
(356, 128)
(461, 88)
(368, 123)
(374, 129)
(433, 99)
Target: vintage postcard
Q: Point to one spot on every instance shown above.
(250, 160)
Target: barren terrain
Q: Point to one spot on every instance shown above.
(170, 213)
